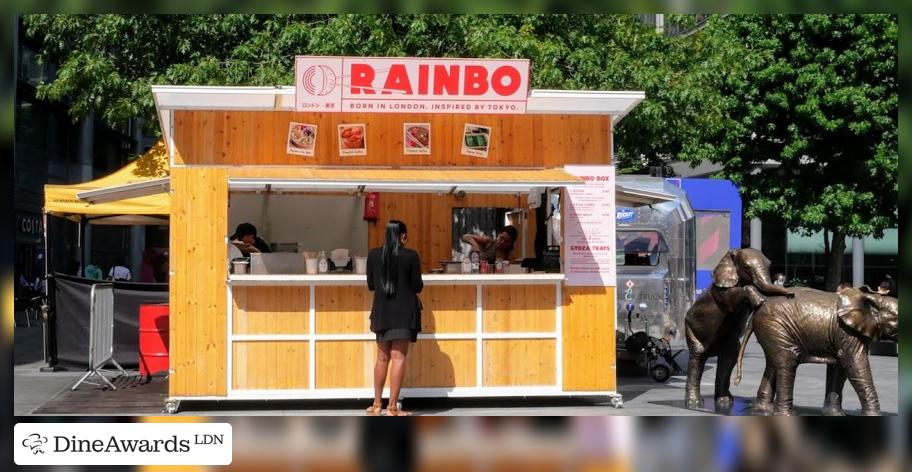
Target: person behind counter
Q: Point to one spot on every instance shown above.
(394, 275)
(493, 249)
(246, 239)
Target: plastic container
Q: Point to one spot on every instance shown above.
(360, 265)
(240, 266)
(153, 339)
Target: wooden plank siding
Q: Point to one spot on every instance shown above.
(589, 339)
(518, 308)
(271, 310)
(519, 362)
(440, 363)
(345, 364)
(273, 365)
(259, 138)
(448, 309)
(198, 329)
(342, 310)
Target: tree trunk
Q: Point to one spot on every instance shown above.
(834, 261)
(826, 244)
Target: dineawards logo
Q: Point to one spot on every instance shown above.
(35, 442)
(122, 443)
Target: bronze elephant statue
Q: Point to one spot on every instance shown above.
(820, 327)
(718, 319)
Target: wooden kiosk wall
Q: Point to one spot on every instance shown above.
(211, 146)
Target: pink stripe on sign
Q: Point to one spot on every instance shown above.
(708, 247)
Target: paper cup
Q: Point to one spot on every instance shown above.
(360, 265)
(311, 266)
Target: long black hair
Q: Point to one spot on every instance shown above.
(388, 260)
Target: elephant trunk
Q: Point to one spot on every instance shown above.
(765, 285)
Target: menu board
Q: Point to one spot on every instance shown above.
(589, 228)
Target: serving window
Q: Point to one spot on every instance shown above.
(640, 248)
(297, 222)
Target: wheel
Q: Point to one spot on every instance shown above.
(171, 406)
(660, 372)
(617, 401)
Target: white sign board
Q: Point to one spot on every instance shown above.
(411, 85)
(589, 228)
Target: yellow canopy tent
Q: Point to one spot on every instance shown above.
(135, 194)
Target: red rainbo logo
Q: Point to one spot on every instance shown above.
(319, 80)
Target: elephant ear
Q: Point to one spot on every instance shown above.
(725, 275)
(854, 311)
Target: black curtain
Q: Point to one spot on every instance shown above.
(72, 303)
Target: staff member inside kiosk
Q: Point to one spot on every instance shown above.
(245, 238)
(496, 249)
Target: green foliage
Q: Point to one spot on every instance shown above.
(818, 94)
(107, 62)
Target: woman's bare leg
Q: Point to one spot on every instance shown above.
(399, 351)
(380, 369)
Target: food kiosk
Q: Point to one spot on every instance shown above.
(348, 129)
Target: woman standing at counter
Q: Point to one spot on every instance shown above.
(493, 250)
(394, 275)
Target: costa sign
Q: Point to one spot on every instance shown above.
(411, 85)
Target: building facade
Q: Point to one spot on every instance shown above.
(50, 147)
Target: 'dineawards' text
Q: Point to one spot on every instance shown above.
(114, 445)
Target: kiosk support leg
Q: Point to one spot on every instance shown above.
(616, 400)
(171, 406)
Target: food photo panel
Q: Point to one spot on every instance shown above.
(352, 140)
(476, 140)
(416, 138)
(302, 138)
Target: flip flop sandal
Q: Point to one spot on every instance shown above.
(397, 412)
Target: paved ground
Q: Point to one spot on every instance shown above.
(642, 395)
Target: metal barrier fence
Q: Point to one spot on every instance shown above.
(101, 335)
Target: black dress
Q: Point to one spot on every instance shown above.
(398, 316)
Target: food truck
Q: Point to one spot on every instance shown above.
(320, 167)
(655, 259)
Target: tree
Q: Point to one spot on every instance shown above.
(108, 62)
(818, 94)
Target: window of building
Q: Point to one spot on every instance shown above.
(31, 125)
(30, 71)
